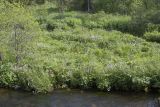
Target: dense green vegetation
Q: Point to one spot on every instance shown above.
(43, 48)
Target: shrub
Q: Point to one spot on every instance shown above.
(153, 27)
(23, 53)
(7, 77)
(153, 16)
(27, 2)
(105, 60)
(36, 81)
(21, 32)
(152, 36)
(73, 22)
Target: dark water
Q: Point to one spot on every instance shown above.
(75, 98)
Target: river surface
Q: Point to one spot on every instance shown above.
(76, 98)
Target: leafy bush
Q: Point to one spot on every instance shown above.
(73, 22)
(21, 52)
(98, 20)
(36, 81)
(152, 36)
(153, 16)
(27, 2)
(7, 77)
(153, 27)
(106, 60)
(18, 35)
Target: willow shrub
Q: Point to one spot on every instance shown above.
(8, 77)
(27, 2)
(74, 19)
(152, 36)
(99, 59)
(19, 74)
(35, 80)
(100, 20)
(136, 24)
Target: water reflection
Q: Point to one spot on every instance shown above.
(76, 98)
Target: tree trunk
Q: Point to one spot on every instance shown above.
(88, 5)
(61, 6)
(17, 40)
(1, 57)
(146, 4)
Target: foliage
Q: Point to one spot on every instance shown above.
(17, 34)
(152, 36)
(27, 2)
(81, 50)
(8, 78)
(36, 81)
(19, 37)
(114, 6)
(83, 58)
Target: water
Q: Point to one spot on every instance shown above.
(76, 98)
